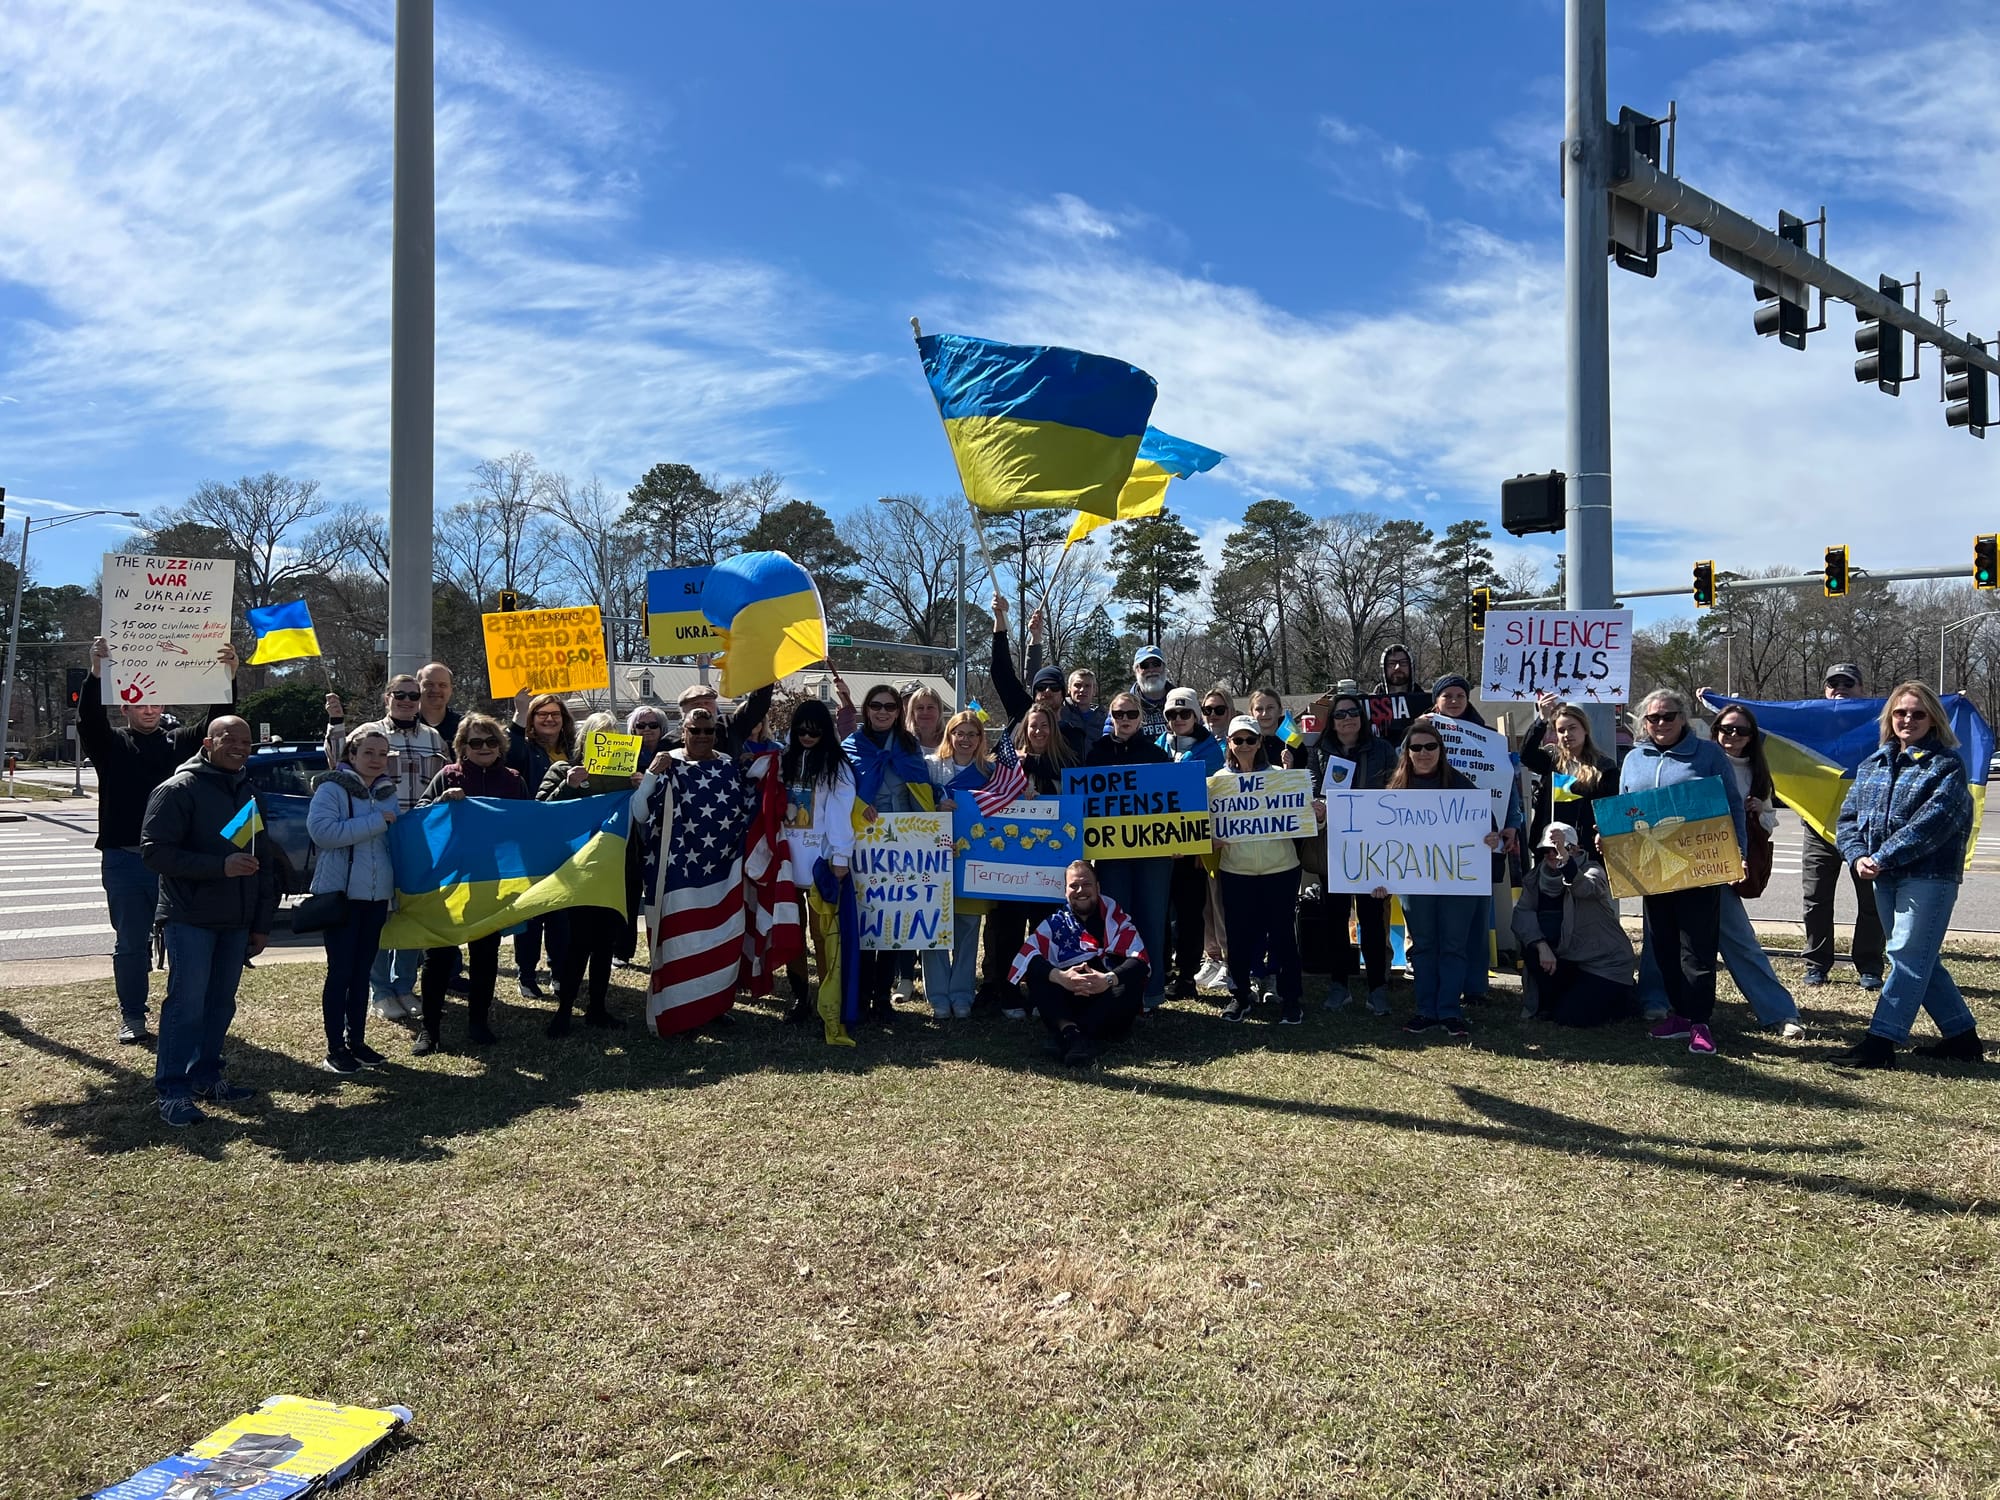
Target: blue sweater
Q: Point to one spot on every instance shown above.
(1688, 759)
(1910, 811)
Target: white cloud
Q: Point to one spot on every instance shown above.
(199, 196)
(1069, 217)
(1365, 167)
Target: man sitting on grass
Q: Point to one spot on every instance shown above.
(1085, 968)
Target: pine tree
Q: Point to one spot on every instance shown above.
(1158, 563)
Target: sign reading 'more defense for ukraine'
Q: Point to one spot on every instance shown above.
(1410, 842)
(546, 651)
(675, 625)
(1252, 807)
(1141, 812)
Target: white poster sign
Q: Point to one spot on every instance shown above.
(1481, 754)
(902, 881)
(165, 618)
(1411, 843)
(1257, 806)
(1581, 655)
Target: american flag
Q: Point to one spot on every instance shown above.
(1006, 783)
(694, 876)
(773, 934)
(1063, 940)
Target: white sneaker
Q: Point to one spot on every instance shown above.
(1213, 975)
(1015, 1013)
(390, 1009)
(1791, 1031)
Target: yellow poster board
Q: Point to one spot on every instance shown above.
(608, 753)
(546, 651)
(322, 1436)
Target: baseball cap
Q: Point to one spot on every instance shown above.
(1845, 669)
(695, 690)
(1148, 653)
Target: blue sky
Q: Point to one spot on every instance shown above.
(688, 233)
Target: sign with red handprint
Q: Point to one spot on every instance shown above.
(165, 618)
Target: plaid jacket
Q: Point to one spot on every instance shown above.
(1064, 941)
(1910, 811)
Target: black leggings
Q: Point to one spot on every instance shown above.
(593, 942)
(1372, 917)
(482, 966)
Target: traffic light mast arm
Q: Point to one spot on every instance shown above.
(1650, 188)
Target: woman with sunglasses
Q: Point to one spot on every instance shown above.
(650, 724)
(1187, 900)
(1350, 756)
(1447, 933)
(1218, 707)
(1045, 754)
(1571, 773)
(538, 737)
(890, 776)
(819, 833)
(479, 771)
(1140, 886)
(960, 768)
(1736, 732)
(1259, 881)
(1683, 928)
(1904, 828)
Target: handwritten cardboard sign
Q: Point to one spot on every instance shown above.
(608, 753)
(1142, 812)
(902, 881)
(1258, 806)
(165, 618)
(546, 651)
(1482, 755)
(1409, 842)
(1669, 838)
(1582, 655)
(675, 625)
(1019, 853)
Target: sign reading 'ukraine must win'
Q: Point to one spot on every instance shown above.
(1141, 812)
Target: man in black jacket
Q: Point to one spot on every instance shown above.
(218, 897)
(130, 763)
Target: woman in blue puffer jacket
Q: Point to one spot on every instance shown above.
(1683, 928)
(1904, 828)
(349, 824)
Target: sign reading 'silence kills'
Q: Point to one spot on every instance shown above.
(1581, 655)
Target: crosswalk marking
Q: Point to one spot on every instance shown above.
(28, 934)
(22, 911)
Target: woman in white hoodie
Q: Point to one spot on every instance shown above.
(819, 833)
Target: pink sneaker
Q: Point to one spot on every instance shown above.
(1673, 1029)
(1700, 1043)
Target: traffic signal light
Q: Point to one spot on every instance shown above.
(1880, 345)
(1835, 576)
(74, 678)
(509, 601)
(3, 510)
(1482, 600)
(1704, 585)
(1986, 562)
(1776, 313)
(1968, 393)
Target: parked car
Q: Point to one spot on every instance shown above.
(282, 774)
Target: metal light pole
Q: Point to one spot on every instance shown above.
(412, 342)
(1975, 621)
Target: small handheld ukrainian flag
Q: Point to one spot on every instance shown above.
(767, 608)
(245, 826)
(1162, 457)
(284, 633)
(1034, 427)
(1290, 733)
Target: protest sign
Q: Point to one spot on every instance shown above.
(1339, 774)
(1582, 655)
(546, 651)
(1141, 811)
(1410, 842)
(608, 753)
(675, 625)
(1256, 806)
(164, 619)
(288, 1446)
(902, 881)
(1481, 754)
(1019, 853)
(1669, 838)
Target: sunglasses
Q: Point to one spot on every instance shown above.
(1733, 731)
(1215, 710)
(405, 697)
(880, 707)
(647, 724)
(1908, 713)
(1347, 713)
(1662, 718)
(807, 731)
(548, 713)
(694, 729)
(482, 743)
(1428, 747)
(1180, 713)
(1244, 739)
(1124, 713)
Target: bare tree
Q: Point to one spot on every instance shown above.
(596, 557)
(499, 537)
(1362, 580)
(905, 567)
(262, 521)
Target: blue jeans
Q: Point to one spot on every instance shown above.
(133, 893)
(394, 972)
(350, 953)
(1770, 1002)
(1917, 914)
(204, 966)
(1144, 887)
(951, 977)
(1446, 934)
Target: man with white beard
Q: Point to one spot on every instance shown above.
(1149, 681)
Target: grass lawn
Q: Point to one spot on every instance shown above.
(1234, 1260)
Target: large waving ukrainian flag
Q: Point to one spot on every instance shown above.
(466, 869)
(1815, 745)
(1162, 457)
(768, 610)
(1035, 427)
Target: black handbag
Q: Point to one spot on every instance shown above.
(318, 913)
(1315, 933)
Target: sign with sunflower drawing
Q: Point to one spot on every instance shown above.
(1018, 854)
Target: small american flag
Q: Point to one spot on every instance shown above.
(1007, 782)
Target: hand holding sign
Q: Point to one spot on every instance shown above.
(607, 753)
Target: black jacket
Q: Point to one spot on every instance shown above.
(181, 841)
(1577, 811)
(1016, 698)
(129, 764)
(1137, 751)
(1374, 762)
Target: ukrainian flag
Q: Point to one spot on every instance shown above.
(245, 826)
(478, 866)
(284, 633)
(1162, 457)
(1815, 745)
(1038, 428)
(769, 613)
(1289, 733)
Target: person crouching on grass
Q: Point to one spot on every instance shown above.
(1085, 968)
